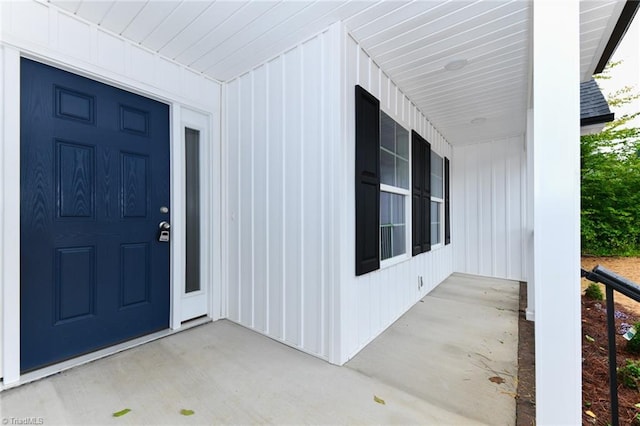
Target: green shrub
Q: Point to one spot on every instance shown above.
(629, 374)
(594, 292)
(633, 345)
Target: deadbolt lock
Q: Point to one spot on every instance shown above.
(163, 234)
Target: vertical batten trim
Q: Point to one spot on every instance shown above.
(252, 113)
(323, 147)
(53, 27)
(493, 203)
(267, 142)
(284, 198)
(301, 311)
(3, 285)
(507, 216)
(224, 208)
(467, 203)
(239, 206)
(478, 232)
(93, 30)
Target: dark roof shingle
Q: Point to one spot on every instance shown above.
(594, 108)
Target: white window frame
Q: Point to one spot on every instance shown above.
(440, 202)
(384, 263)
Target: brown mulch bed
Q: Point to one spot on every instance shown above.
(526, 393)
(595, 366)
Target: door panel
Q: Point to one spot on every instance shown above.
(94, 175)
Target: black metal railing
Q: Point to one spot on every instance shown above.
(612, 281)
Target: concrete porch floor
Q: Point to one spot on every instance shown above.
(432, 366)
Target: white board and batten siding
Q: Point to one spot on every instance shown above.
(489, 208)
(281, 141)
(46, 33)
(290, 201)
(372, 302)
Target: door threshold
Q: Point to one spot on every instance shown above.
(102, 353)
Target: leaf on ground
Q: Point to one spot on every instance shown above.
(121, 412)
(496, 379)
(379, 400)
(589, 338)
(186, 412)
(590, 413)
(637, 405)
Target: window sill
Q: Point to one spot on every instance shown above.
(394, 260)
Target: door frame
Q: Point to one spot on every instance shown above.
(197, 120)
(10, 217)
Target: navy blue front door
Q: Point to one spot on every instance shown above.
(94, 177)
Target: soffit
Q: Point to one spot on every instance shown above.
(412, 41)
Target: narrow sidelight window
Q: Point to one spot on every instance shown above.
(192, 165)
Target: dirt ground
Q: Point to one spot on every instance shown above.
(628, 267)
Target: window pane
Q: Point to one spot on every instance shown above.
(385, 208)
(398, 243)
(397, 214)
(387, 132)
(436, 187)
(385, 242)
(402, 142)
(392, 225)
(402, 180)
(192, 167)
(435, 222)
(436, 175)
(387, 168)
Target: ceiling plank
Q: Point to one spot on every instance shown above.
(121, 15)
(150, 17)
(94, 11)
(178, 21)
(207, 22)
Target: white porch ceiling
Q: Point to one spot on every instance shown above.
(412, 41)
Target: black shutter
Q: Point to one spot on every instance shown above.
(417, 153)
(420, 194)
(367, 182)
(426, 198)
(447, 214)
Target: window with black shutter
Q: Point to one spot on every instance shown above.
(384, 189)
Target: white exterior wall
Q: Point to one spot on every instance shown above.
(281, 172)
(371, 302)
(488, 208)
(290, 171)
(50, 35)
